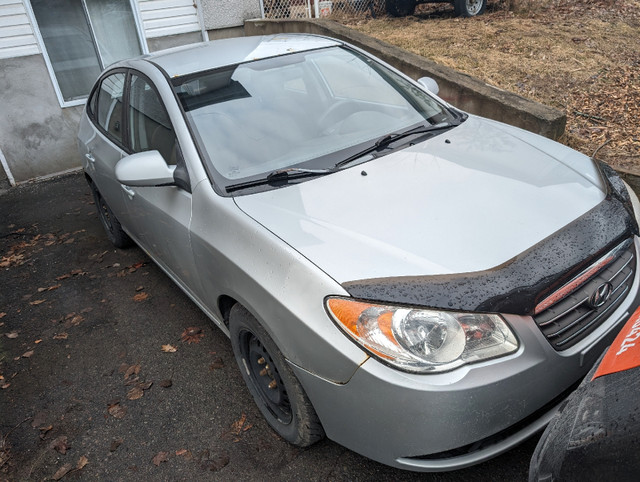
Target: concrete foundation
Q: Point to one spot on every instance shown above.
(37, 137)
(461, 90)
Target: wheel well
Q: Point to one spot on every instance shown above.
(225, 303)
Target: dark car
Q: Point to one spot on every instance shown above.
(463, 8)
(596, 435)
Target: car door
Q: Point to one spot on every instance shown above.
(160, 214)
(104, 146)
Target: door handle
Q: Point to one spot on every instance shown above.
(130, 192)
(90, 157)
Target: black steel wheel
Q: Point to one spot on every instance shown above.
(271, 382)
(469, 8)
(111, 225)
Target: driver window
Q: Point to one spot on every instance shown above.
(110, 105)
(149, 124)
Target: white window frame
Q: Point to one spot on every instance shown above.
(47, 60)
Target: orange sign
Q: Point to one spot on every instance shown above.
(624, 352)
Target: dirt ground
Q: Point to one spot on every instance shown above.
(581, 56)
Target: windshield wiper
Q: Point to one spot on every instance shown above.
(283, 176)
(279, 177)
(384, 141)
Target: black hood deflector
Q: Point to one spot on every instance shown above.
(518, 285)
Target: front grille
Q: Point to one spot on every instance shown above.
(573, 318)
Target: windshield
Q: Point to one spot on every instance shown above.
(305, 110)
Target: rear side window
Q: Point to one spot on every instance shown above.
(109, 105)
(149, 125)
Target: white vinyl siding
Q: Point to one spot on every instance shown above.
(168, 17)
(16, 34)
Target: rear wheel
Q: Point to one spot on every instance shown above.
(111, 225)
(271, 382)
(400, 8)
(469, 8)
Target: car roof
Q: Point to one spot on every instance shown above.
(203, 56)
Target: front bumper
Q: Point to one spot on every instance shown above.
(453, 420)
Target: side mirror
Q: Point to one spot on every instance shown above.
(144, 169)
(430, 84)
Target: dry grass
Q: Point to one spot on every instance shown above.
(580, 56)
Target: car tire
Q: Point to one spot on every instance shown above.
(111, 225)
(271, 382)
(469, 8)
(400, 8)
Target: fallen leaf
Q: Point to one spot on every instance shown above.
(62, 471)
(181, 452)
(145, 385)
(38, 419)
(132, 370)
(166, 383)
(44, 431)
(139, 288)
(82, 461)
(217, 363)
(27, 354)
(116, 410)
(192, 334)
(169, 349)
(37, 341)
(4, 386)
(2, 314)
(135, 393)
(236, 427)
(123, 367)
(140, 296)
(64, 276)
(115, 444)
(60, 336)
(11, 335)
(160, 457)
(60, 444)
(74, 320)
(36, 302)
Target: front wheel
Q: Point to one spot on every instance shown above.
(271, 382)
(111, 225)
(469, 8)
(400, 8)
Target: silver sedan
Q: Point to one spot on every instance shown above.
(422, 285)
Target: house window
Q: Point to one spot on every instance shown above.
(82, 37)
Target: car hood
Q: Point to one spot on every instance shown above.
(467, 200)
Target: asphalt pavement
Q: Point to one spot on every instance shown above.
(109, 372)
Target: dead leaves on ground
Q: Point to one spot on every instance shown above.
(20, 252)
(238, 428)
(160, 457)
(138, 391)
(60, 444)
(169, 348)
(68, 468)
(140, 296)
(116, 410)
(192, 334)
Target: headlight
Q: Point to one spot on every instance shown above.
(422, 340)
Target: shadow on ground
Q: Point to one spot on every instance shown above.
(87, 388)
